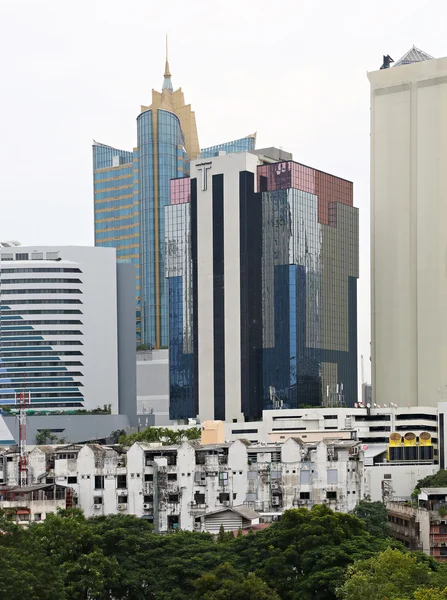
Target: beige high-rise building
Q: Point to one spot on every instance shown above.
(409, 230)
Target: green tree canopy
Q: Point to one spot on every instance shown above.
(226, 583)
(305, 555)
(164, 435)
(392, 575)
(439, 479)
(375, 517)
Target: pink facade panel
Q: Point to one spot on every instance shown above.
(180, 191)
(328, 188)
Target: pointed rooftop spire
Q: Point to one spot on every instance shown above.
(167, 83)
(412, 56)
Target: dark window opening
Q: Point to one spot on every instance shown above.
(121, 482)
(199, 498)
(331, 495)
(304, 495)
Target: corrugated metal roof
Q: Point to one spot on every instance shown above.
(434, 491)
(243, 511)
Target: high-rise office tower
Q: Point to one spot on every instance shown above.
(131, 191)
(262, 264)
(66, 334)
(408, 232)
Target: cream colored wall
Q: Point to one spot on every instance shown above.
(408, 233)
(205, 296)
(213, 432)
(230, 166)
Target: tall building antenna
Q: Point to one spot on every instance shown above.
(167, 83)
(22, 402)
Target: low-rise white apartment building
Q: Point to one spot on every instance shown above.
(175, 486)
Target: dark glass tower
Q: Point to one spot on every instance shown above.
(262, 270)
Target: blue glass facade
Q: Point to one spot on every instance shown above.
(246, 144)
(46, 363)
(117, 214)
(162, 157)
(298, 243)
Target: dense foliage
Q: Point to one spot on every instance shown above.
(438, 480)
(375, 517)
(162, 435)
(308, 555)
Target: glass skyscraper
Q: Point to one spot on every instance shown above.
(131, 190)
(262, 265)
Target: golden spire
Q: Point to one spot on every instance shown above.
(167, 74)
(167, 83)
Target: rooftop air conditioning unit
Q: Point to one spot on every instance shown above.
(196, 525)
(226, 503)
(96, 506)
(146, 505)
(121, 506)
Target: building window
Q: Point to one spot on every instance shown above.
(332, 476)
(252, 457)
(443, 551)
(331, 495)
(199, 498)
(121, 482)
(224, 497)
(305, 477)
(304, 495)
(99, 482)
(199, 477)
(97, 499)
(172, 476)
(223, 478)
(148, 498)
(173, 498)
(276, 457)
(148, 477)
(72, 479)
(38, 516)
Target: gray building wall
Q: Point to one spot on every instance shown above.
(73, 428)
(127, 375)
(153, 387)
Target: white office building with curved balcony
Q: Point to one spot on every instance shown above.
(59, 327)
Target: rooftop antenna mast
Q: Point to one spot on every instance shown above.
(22, 403)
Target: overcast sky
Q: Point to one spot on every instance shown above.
(293, 71)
